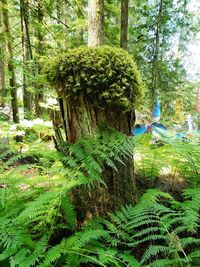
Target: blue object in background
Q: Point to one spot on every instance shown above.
(158, 126)
(139, 129)
(156, 109)
(182, 135)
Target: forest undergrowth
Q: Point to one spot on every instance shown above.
(38, 222)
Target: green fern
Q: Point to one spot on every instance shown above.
(38, 224)
(181, 158)
(89, 155)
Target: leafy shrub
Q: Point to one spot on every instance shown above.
(106, 75)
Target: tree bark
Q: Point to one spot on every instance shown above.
(124, 37)
(81, 118)
(95, 22)
(2, 80)
(39, 96)
(11, 66)
(27, 57)
(155, 55)
(124, 24)
(2, 68)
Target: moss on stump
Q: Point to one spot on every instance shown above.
(107, 76)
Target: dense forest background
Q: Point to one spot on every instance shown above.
(78, 186)
(158, 35)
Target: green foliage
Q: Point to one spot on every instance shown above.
(158, 231)
(38, 224)
(90, 155)
(105, 75)
(7, 157)
(33, 208)
(36, 213)
(37, 132)
(60, 34)
(175, 159)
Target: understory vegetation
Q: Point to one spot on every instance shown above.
(38, 221)
(99, 133)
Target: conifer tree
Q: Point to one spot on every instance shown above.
(11, 65)
(95, 22)
(2, 64)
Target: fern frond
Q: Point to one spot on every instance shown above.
(69, 211)
(51, 256)
(152, 251)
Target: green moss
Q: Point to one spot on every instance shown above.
(106, 75)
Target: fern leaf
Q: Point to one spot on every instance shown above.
(152, 251)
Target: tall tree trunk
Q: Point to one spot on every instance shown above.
(124, 43)
(2, 67)
(11, 66)
(95, 22)
(124, 24)
(155, 55)
(27, 56)
(2, 79)
(39, 96)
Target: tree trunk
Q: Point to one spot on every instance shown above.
(2, 80)
(155, 55)
(11, 66)
(124, 24)
(2, 68)
(95, 22)
(124, 37)
(39, 97)
(27, 56)
(82, 119)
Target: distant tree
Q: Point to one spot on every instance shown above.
(154, 28)
(39, 95)
(2, 64)
(27, 56)
(48, 27)
(11, 65)
(154, 89)
(124, 24)
(95, 22)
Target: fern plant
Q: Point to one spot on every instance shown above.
(155, 232)
(38, 225)
(36, 211)
(90, 155)
(162, 231)
(174, 158)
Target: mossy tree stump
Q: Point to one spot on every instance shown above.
(98, 86)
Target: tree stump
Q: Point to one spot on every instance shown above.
(98, 86)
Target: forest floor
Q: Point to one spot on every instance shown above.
(37, 218)
(169, 166)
